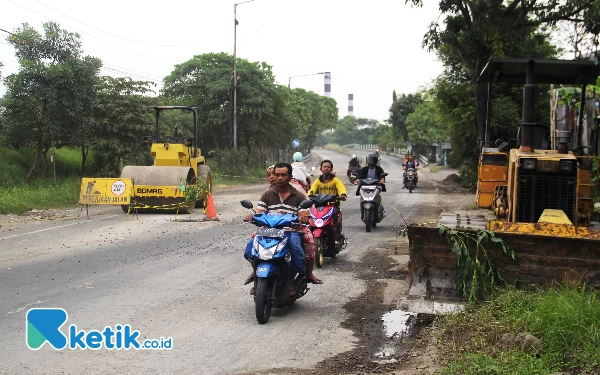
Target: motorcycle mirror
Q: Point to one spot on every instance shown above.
(306, 204)
(246, 204)
(384, 174)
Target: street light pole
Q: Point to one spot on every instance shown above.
(304, 75)
(235, 23)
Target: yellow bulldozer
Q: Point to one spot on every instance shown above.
(178, 165)
(540, 192)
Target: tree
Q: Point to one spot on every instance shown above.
(476, 30)
(121, 121)
(53, 92)
(425, 126)
(401, 107)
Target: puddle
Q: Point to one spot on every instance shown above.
(402, 324)
(397, 324)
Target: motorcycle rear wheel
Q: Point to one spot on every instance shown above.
(321, 245)
(262, 300)
(368, 219)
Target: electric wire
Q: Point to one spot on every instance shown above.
(118, 36)
(131, 73)
(95, 37)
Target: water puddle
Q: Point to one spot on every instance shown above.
(402, 324)
(397, 325)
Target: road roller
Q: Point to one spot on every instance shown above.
(178, 166)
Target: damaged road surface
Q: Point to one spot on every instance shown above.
(176, 279)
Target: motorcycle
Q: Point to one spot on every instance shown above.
(353, 173)
(371, 210)
(323, 228)
(411, 173)
(271, 256)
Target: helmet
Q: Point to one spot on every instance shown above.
(297, 156)
(409, 152)
(372, 159)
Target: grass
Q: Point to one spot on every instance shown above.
(565, 319)
(471, 206)
(40, 194)
(434, 168)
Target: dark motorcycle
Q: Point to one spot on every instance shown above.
(371, 210)
(411, 173)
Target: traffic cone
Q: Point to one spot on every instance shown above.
(211, 211)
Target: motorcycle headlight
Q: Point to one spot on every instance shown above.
(567, 166)
(266, 253)
(528, 164)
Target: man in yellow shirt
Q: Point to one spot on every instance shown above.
(328, 183)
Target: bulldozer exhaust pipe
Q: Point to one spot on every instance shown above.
(527, 124)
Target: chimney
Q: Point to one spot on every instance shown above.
(350, 104)
(328, 84)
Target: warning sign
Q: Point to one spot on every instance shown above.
(105, 191)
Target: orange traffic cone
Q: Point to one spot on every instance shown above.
(211, 211)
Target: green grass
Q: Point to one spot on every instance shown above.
(434, 168)
(40, 194)
(566, 319)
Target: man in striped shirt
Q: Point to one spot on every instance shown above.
(284, 198)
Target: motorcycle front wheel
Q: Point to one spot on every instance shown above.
(321, 245)
(410, 186)
(262, 300)
(368, 219)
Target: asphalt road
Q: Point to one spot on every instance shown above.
(171, 276)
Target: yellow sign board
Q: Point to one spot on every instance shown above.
(105, 191)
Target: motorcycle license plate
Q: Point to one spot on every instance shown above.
(270, 232)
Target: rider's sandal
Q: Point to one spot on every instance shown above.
(252, 291)
(249, 280)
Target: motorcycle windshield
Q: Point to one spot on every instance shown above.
(321, 200)
(275, 220)
(369, 181)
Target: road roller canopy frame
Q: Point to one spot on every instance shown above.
(194, 110)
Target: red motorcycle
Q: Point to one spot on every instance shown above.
(329, 240)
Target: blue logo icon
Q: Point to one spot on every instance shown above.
(296, 142)
(44, 325)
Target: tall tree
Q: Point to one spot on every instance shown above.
(401, 107)
(476, 30)
(52, 93)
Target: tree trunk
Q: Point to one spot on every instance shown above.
(84, 152)
(480, 89)
(39, 144)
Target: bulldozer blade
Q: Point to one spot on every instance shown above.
(540, 257)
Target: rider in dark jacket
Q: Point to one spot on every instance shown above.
(372, 170)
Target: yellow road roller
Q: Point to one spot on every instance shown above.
(178, 166)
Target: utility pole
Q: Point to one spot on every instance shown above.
(235, 77)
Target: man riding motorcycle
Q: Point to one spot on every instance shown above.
(353, 165)
(328, 183)
(285, 198)
(300, 173)
(410, 163)
(372, 170)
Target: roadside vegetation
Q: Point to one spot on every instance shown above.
(537, 331)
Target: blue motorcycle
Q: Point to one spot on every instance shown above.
(271, 255)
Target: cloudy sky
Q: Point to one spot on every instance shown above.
(370, 47)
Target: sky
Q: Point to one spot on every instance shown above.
(370, 47)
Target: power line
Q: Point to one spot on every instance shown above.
(118, 36)
(131, 73)
(95, 37)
